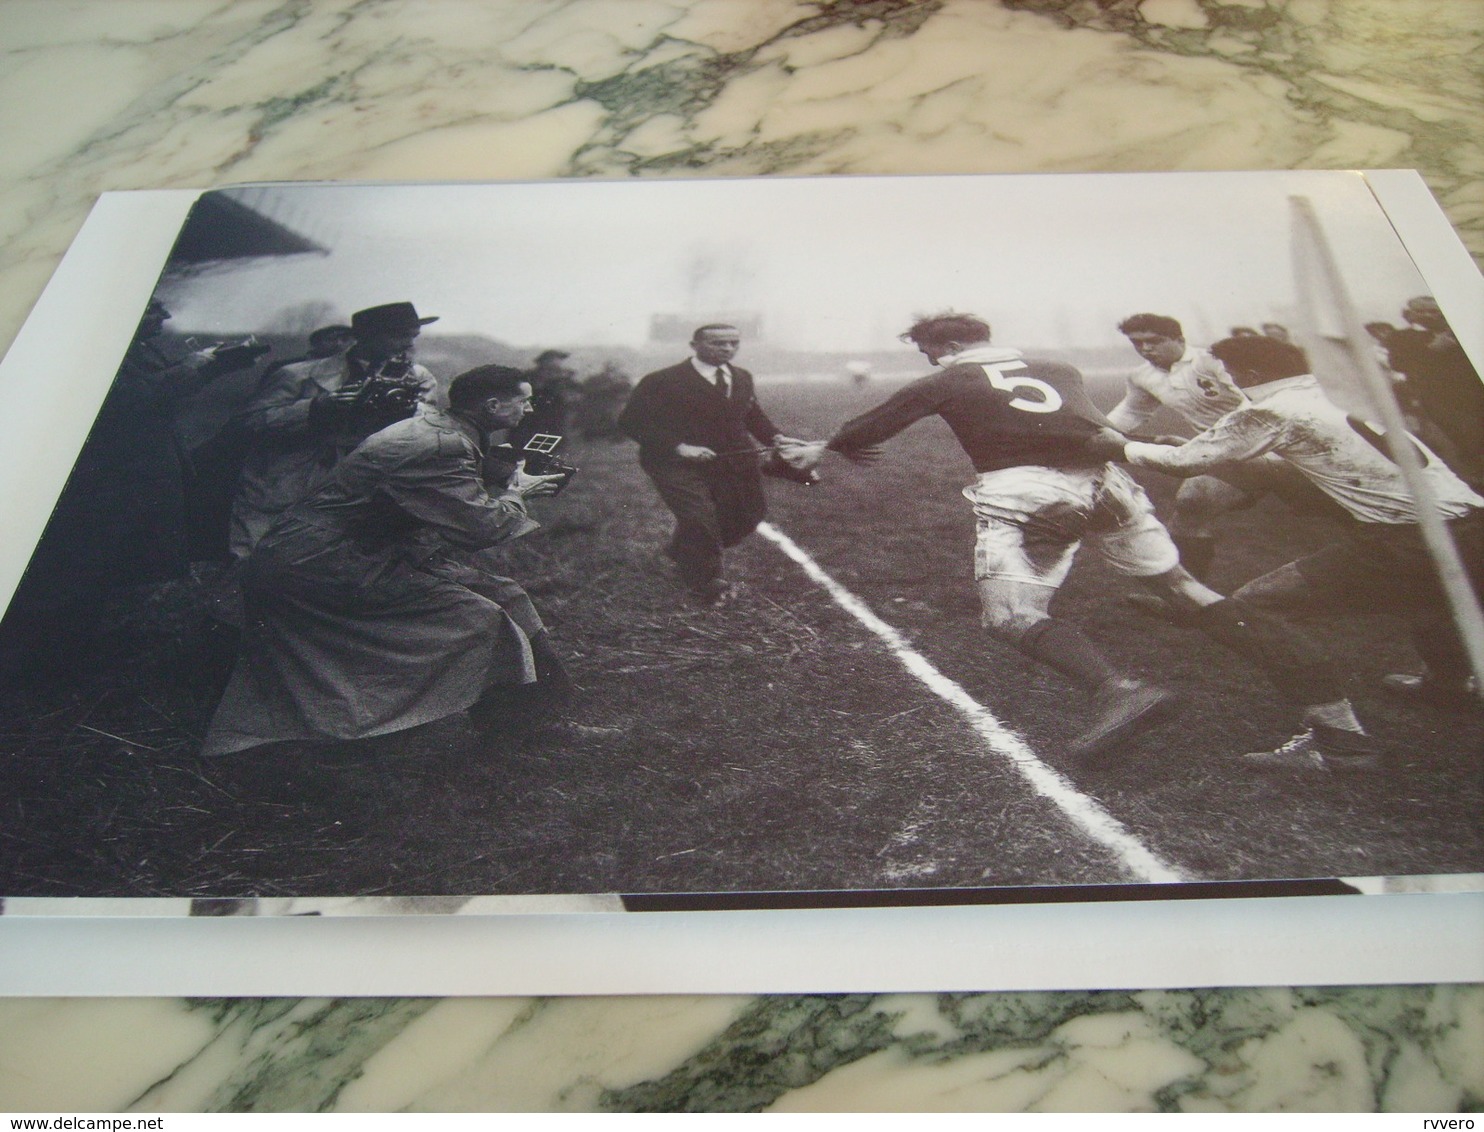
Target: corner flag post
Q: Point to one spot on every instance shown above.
(1326, 308)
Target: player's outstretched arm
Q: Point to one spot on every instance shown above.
(862, 454)
(806, 455)
(1243, 434)
(1106, 444)
(802, 455)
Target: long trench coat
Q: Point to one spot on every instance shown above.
(369, 607)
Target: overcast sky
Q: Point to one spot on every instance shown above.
(831, 263)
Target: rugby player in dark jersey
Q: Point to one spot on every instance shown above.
(1028, 426)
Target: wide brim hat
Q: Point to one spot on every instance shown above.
(389, 318)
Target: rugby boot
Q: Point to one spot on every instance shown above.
(1319, 747)
(1125, 709)
(1433, 691)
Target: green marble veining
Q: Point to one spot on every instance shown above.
(1395, 69)
(1306, 1049)
(285, 1055)
(1385, 1048)
(777, 1045)
(691, 83)
(196, 92)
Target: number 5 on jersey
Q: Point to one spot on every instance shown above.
(1016, 381)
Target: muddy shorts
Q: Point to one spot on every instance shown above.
(1033, 519)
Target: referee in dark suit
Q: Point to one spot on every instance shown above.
(695, 423)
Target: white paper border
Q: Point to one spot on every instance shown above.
(1295, 941)
(62, 358)
(62, 362)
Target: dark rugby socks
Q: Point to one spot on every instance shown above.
(1061, 646)
(1296, 665)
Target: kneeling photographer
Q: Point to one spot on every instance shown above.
(370, 608)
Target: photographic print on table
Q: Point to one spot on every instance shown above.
(760, 543)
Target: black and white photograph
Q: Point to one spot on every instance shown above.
(761, 543)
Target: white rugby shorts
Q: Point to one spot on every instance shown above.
(1033, 519)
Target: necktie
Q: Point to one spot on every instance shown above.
(721, 380)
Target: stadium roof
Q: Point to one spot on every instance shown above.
(221, 228)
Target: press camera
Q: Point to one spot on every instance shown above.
(231, 355)
(390, 390)
(540, 456)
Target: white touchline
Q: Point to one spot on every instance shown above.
(1083, 811)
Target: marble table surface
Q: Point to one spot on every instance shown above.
(99, 95)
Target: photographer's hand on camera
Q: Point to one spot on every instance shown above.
(230, 358)
(339, 409)
(388, 406)
(397, 401)
(527, 486)
(201, 361)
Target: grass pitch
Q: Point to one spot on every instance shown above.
(769, 744)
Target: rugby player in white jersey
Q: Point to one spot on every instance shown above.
(1381, 564)
(1040, 493)
(1192, 384)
